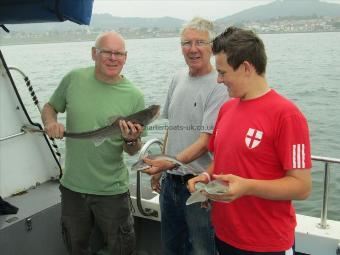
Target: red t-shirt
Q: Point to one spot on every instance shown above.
(258, 139)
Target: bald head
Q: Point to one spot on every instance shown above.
(109, 55)
(111, 35)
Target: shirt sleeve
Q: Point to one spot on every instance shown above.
(165, 112)
(216, 99)
(211, 144)
(58, 99)
(293, 143)
(140, 104)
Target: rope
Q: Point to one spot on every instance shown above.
(36, 102)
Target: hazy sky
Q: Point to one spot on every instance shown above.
(183, 9)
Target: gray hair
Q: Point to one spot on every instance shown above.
(199, 24)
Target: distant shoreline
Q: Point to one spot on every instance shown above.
(47, 41)
(13, 42)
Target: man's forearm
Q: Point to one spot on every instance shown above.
(195, 150)
(291, 187)
(48, 114)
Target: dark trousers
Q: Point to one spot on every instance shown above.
(226, 249)
(112, 215)
(185, 230)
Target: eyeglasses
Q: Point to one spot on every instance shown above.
(198, 43)
(109, 53)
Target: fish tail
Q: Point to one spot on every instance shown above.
(31, 130)
(74, 135)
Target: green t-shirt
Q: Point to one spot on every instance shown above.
(89, 104)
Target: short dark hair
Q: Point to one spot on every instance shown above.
(241, 45)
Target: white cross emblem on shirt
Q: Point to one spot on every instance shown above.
(253, 138)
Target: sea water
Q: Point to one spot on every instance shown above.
(303, 67)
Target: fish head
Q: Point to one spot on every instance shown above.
(140, 165)
(145, 116)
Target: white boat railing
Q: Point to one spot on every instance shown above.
(12, 136)
(324, 210)
(144, 152)
(326, 160)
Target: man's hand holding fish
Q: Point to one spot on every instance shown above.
(53, 128)
(237, 187)
(157, 165)
(131, 136)
(130, 131)
(199, 178)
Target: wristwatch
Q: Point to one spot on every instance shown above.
(132, 142)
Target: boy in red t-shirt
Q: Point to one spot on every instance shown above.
(261, 150)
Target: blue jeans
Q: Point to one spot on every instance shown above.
(186, 230)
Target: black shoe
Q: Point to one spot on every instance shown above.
(7, 208)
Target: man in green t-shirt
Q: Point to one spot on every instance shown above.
(94, 186)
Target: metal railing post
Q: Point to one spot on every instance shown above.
(327, 161)
(324, 210)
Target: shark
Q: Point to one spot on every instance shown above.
(140, 165)
(215, 187)
(143, 118)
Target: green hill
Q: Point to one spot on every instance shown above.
(284, 9)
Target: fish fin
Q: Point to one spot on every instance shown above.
(137, 166)
(99, 140)
(31, 129)
(140, 165)
(112, 119)
(186, 169)
(195, 198)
